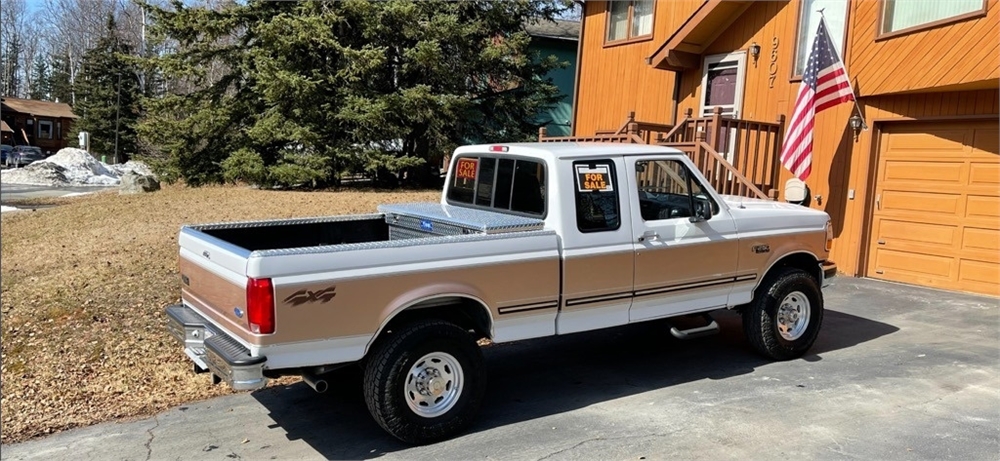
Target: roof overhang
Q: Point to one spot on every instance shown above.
(684, 48)
(37, 108)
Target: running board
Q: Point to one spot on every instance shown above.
(696, 332)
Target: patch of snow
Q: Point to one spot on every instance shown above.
(132, 165)
(72, 167)
(82, 168)
(5, 208)
(76, 194)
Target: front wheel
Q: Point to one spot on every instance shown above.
(425, 381)
(783, 320)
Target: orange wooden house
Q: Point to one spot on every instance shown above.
(914, 195)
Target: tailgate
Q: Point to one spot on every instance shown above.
(213, 281)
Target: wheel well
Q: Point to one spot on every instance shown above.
(464, 312)
(804, 261)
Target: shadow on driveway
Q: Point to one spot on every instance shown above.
(537, 378)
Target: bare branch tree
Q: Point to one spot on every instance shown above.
(13, 22)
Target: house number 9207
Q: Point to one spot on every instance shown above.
(772, 68)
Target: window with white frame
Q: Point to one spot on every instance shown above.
(44, 129)
(629, 19)
(835, 12)
(900, 15)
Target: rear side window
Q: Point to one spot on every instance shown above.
(596, 193)
(503, 184)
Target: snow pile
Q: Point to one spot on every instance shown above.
(5, 208)
(83, 169)
(132, 165)
(72, 167)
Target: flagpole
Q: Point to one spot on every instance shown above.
(864, 124)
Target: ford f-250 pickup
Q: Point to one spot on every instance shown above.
(528, 240)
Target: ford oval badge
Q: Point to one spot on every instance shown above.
(426, 225)
(238, 312)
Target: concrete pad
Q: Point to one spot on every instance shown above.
(897, 373)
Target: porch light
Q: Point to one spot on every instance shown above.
(857, 124)
(755, 52)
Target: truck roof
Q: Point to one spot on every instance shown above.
(568, 150)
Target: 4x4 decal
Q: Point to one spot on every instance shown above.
(307, 297)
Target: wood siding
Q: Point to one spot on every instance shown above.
(615, 80)
(763, 99)
(965, 52)
(839, 164)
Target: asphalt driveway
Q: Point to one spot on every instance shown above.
(897, 373)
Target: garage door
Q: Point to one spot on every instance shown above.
(936, 217)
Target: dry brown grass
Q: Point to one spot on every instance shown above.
(84, 285)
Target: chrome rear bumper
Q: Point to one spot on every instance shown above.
(213, 350)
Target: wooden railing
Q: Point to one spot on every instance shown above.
(750, 146)
(740, 157)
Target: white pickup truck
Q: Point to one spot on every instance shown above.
(528, 240)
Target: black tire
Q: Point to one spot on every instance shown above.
(388, 367)
(760, 317)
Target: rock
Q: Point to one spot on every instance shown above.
(134, 183)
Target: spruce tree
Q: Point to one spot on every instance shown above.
(60, 86)
(41, 80)
(108, 97)
(316, 88)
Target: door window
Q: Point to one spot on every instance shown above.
(596, 196)
(667, 191)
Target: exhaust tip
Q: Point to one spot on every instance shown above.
(317, 384)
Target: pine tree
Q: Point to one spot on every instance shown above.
(41, 80)
(316, 88)
(108, 98)
(60, 87)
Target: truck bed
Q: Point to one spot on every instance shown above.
(393, 222)
(299, 234)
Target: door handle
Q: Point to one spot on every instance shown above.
(878, 201)
(649, 235)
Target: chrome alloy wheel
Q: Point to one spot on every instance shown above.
(793, 316)
(434, 384)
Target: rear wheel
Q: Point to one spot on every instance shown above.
(425, 381)
(784, 318)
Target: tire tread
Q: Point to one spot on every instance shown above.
(384, 361)
(758, 320)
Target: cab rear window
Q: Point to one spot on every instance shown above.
(500, 183)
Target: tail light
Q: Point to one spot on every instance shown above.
(829, 236)
(260, 306)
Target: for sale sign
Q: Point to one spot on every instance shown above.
(596, 179)
(466, 168)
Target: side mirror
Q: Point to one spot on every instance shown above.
(702, 210)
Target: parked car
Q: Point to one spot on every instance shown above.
(527, 241)
(4, 151)
(24, 155)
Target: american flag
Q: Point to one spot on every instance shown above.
(824, 85)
